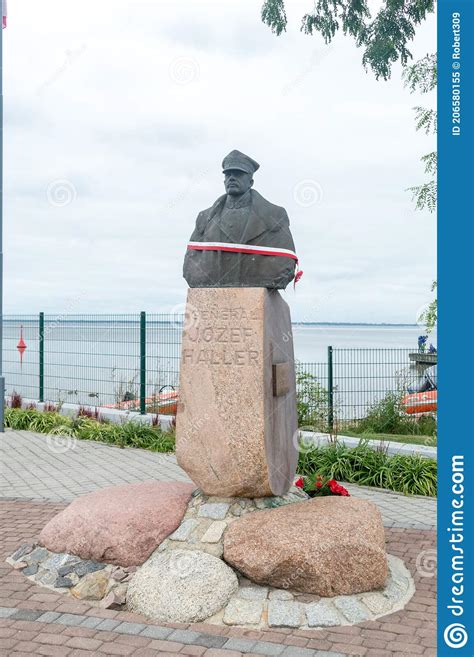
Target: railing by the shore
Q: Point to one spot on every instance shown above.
(132, 361)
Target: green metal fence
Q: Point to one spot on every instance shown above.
(363, 377)
(127, 361)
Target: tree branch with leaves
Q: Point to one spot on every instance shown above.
(384, 37)
(422, 77)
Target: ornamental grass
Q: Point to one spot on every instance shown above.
(408, 474)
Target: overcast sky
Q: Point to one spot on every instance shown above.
(118, 115)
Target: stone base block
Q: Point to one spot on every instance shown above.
(236, 421)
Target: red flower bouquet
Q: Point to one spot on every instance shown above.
(318, 487)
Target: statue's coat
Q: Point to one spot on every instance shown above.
(261, 223)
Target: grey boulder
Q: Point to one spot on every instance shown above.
(182, 586)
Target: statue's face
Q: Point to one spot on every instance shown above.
(237, 182)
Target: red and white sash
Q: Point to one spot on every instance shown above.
(247, 248)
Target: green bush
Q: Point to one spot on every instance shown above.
(388, 416)
(34, 420)
(311, 401)
(363, 465)
(128, 434)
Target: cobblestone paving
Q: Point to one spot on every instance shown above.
(37, 468)
(35, 621)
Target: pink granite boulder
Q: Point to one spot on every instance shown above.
(327, 546)
(122, 525)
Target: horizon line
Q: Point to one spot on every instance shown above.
(120, 317)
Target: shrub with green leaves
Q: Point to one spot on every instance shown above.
(128, 434)
(388, 416)
(311, 401)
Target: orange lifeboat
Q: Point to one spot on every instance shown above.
(421, 402)
(164, 403)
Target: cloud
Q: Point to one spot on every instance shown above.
(126, 111)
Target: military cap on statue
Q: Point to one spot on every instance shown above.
(238, 220)
(239, 161)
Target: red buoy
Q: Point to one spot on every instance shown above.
(21, 346)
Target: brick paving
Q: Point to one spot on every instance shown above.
(38, 621)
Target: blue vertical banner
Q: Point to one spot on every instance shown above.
(455, 328)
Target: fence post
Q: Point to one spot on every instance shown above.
(41, 357)
(330, 391)
(142, 362)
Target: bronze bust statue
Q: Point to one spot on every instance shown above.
(243, 240)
